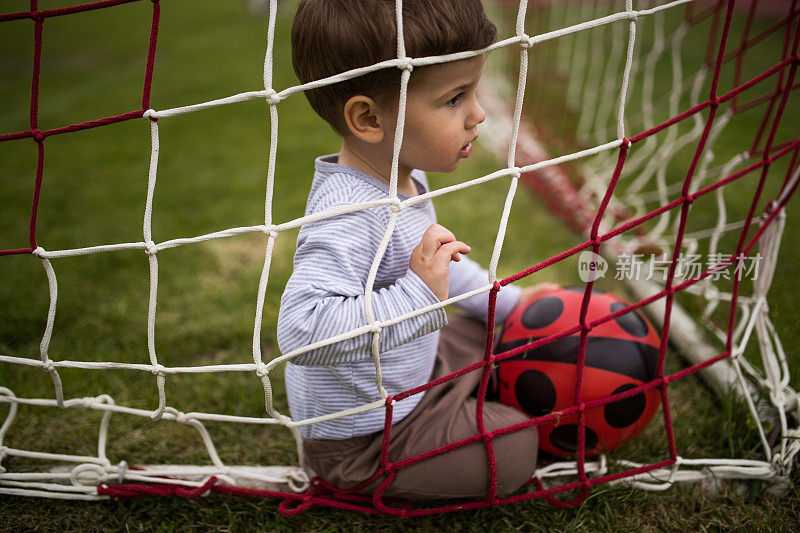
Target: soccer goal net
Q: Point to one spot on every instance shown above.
(660, 132)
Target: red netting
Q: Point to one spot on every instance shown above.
(720, 53)
(39, 136)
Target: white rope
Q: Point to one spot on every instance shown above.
(406, 66)
(512, 144)
(627, 74)
(151, 251)
(47, 364)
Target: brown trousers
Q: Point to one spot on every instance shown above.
(445, 414)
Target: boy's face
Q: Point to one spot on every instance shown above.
(442, 115)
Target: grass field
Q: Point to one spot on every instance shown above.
(212, 170)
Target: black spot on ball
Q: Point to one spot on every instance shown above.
(535, 392)
(542, 312)
(566, 438)
(631, 321)
(623, 413)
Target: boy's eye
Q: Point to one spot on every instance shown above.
(454, 100)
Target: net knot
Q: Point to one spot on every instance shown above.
(261, 370)
(123, 469)
(179, 416)
(38, 136)
(778, 397)
(271, 96)
(104, 399)
(633, 15)
(37, 16)
(48, 366)
(298, 480)
(778, 463)
(87, 474)
(714, 103)
(158, 370)
(396, 206)
(516, 173)
(496, 286)
(375, 328)
(150, 248)
(689, 199)
(151, 114)
(39, 252)
(525, 41)
(405, 64)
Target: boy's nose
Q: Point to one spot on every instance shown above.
(477, 115)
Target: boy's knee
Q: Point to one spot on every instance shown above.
(515, 452)
(516, 455)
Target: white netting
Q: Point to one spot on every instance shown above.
(590, 71)
(607, 124)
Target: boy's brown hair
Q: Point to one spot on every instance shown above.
(333, 36)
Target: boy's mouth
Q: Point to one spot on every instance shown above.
(464, 152)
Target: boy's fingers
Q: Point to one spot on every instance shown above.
(434, 237)
(450, 251)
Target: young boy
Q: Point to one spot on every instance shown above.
(421, 266)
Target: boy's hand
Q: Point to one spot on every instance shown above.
(430, 259)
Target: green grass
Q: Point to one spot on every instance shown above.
(212, 175)
(604, 510)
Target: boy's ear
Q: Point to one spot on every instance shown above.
(364, 119)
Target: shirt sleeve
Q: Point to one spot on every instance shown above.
(325, 293)
(467, 275)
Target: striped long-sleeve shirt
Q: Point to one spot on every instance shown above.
(325, 297)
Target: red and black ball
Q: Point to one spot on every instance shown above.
(620, 354)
